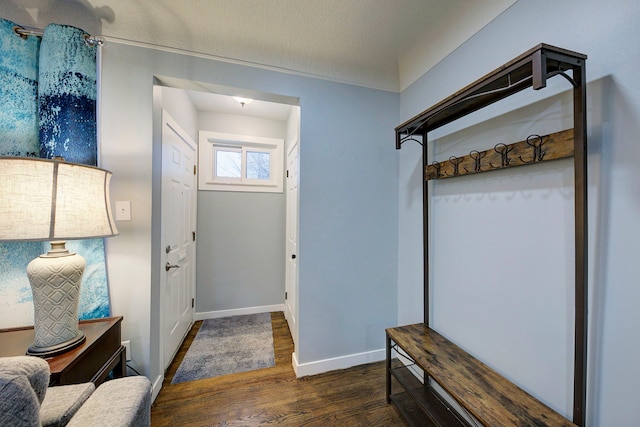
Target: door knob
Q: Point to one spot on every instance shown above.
(293, 256)
(168, 266)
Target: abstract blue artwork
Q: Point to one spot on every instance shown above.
(18, 93)
(67, 96)
(47, 109)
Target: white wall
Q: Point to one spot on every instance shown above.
(179, 106)
(510, 304)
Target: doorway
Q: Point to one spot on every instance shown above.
(193, 118)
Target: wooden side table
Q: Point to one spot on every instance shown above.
(93, 360)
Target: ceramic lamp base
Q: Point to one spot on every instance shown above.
(55, 280)
(58, 348)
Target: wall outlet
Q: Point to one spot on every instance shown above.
(127, 346)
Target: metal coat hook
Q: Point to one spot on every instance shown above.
(455, 161)
(438, 167)
(503, 150)
(538, 154)
(476, 156)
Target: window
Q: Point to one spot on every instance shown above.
(228, 163)
(241, 165)
(231, 162)
(258, 165)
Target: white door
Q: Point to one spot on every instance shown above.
(178, 236)
(291, 286)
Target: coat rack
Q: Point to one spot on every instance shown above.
(529, 70)
(534, 149)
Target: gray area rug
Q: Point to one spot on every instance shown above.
(228, 345)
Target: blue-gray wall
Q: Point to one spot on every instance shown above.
(348, 220)
(240, 261)
(515, 310)
(348, 198)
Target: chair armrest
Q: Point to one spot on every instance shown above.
(117, 403)
(62, 402)
(19, 405)
(35, 369)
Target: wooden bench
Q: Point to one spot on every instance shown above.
(489, 397)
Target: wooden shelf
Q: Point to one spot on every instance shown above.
(419, 399)
(406, 405)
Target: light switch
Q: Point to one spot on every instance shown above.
(123, 210)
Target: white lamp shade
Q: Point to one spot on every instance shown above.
(53, 200)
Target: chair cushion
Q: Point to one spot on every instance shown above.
(117, 403)
(19, 405)
(34, 368)
(62, 402)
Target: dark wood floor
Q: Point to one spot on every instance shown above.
(350, 397)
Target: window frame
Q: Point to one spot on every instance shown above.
(211, 142)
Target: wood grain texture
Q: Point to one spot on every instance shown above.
(484, 393)
(554, 146)
(274, 396)
(91, 360)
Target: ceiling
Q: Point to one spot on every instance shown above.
(214, 102)
(381, 44)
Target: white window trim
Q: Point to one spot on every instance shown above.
(206, 157)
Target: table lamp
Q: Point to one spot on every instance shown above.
(51, 200)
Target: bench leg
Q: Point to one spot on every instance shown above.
(388, 370)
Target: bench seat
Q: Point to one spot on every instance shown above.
(489, 397)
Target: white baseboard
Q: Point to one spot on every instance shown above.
(237, 312)
(342, 362)
(156, 386)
